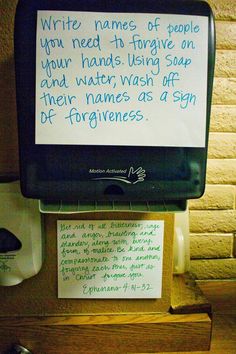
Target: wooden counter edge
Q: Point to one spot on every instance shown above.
(108, 319)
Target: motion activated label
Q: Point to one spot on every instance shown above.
(124, 79)
(107, 171)
(129, 176)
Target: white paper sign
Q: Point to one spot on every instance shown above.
(121, 79)
(110, 259)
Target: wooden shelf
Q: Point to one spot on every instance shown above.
(140, 332)
(136, 333)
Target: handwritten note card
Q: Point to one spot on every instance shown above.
(110, 259)
(121, 79)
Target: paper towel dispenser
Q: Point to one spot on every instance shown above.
(113, 99)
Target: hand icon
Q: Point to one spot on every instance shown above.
(137, 175)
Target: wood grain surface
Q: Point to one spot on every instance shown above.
(159, 332)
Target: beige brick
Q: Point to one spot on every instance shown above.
(224, 90)
(214, 268)
(211, 246)
(222, 145)
(206, 221)
(223, 118)
(225, 63)
(221, 171)
(215, 197)
(223, 9)
(225, 35)
(7, 28)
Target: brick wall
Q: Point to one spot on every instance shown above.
(213, 217)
